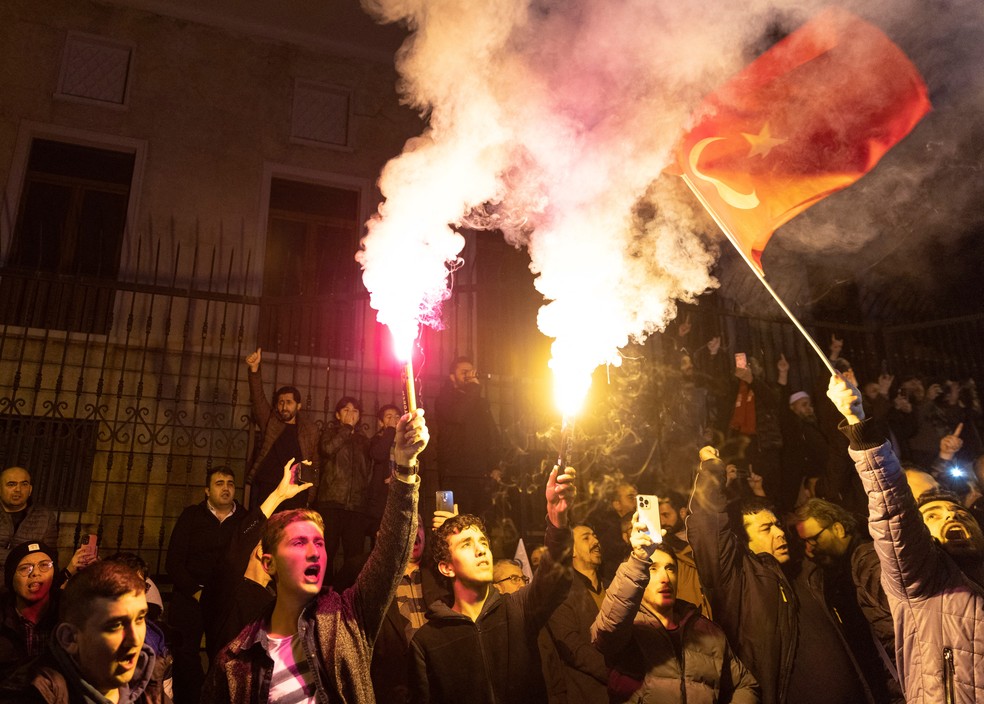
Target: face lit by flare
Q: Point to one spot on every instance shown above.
(299, 561)
(660, 594)
(471, 557)
(587, 549)
(36, 587)
(954, 527)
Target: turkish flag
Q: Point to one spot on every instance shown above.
(809, 117)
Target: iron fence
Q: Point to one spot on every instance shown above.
(118, 396)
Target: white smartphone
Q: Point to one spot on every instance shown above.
(648, 507)
(445, 501)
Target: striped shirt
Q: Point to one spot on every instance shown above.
(291, 681)
(410, 601)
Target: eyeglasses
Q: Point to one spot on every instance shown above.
(515, 579)
(812, 540)
(43, 567)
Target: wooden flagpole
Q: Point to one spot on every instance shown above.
(761, 276)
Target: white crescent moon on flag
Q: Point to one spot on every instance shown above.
(736, 199)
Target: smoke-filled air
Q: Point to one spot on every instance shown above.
(551, 121)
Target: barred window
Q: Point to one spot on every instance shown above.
(67, 238)
(58, 452)
(310, 276)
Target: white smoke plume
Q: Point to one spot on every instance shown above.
(550, 120)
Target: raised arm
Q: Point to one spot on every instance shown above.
(262, 410)
(376, 584)
(911, 565)
(612, 627)
(717, 551)
(553, 577)
(251, 530)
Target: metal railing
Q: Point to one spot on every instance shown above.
(118, 396)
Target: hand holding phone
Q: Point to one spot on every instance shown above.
(301, 473)
(92, 547)
(444, 501)
(647, 507)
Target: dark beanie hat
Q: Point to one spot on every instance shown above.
(931, 495)
(19, 553)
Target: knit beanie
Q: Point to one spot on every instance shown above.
(19, 553)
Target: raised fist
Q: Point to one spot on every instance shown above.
(253, 359)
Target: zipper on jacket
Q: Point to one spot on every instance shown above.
(948, 668)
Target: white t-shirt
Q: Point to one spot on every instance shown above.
(292, 681)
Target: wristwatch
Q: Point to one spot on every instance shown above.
(402, 469)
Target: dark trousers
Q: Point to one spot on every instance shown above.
(184, 614)
(345, 529)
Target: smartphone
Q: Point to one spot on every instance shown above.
(301, 473)
(92, 548)
(445, 501)
(741, 361)
(648, 507)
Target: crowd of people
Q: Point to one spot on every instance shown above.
(821, 551)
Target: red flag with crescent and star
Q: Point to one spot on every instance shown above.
(807, 118)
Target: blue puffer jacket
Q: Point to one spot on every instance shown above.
(938, 610)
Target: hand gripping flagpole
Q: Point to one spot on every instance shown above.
(760, 274)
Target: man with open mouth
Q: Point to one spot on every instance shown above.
(315, 644)
(771, 606)
(932, 559)
(97, 652)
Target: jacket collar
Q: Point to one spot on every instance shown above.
(684, 611)
(441, 610)
(128, 693)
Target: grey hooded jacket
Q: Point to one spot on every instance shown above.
(937, 609)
